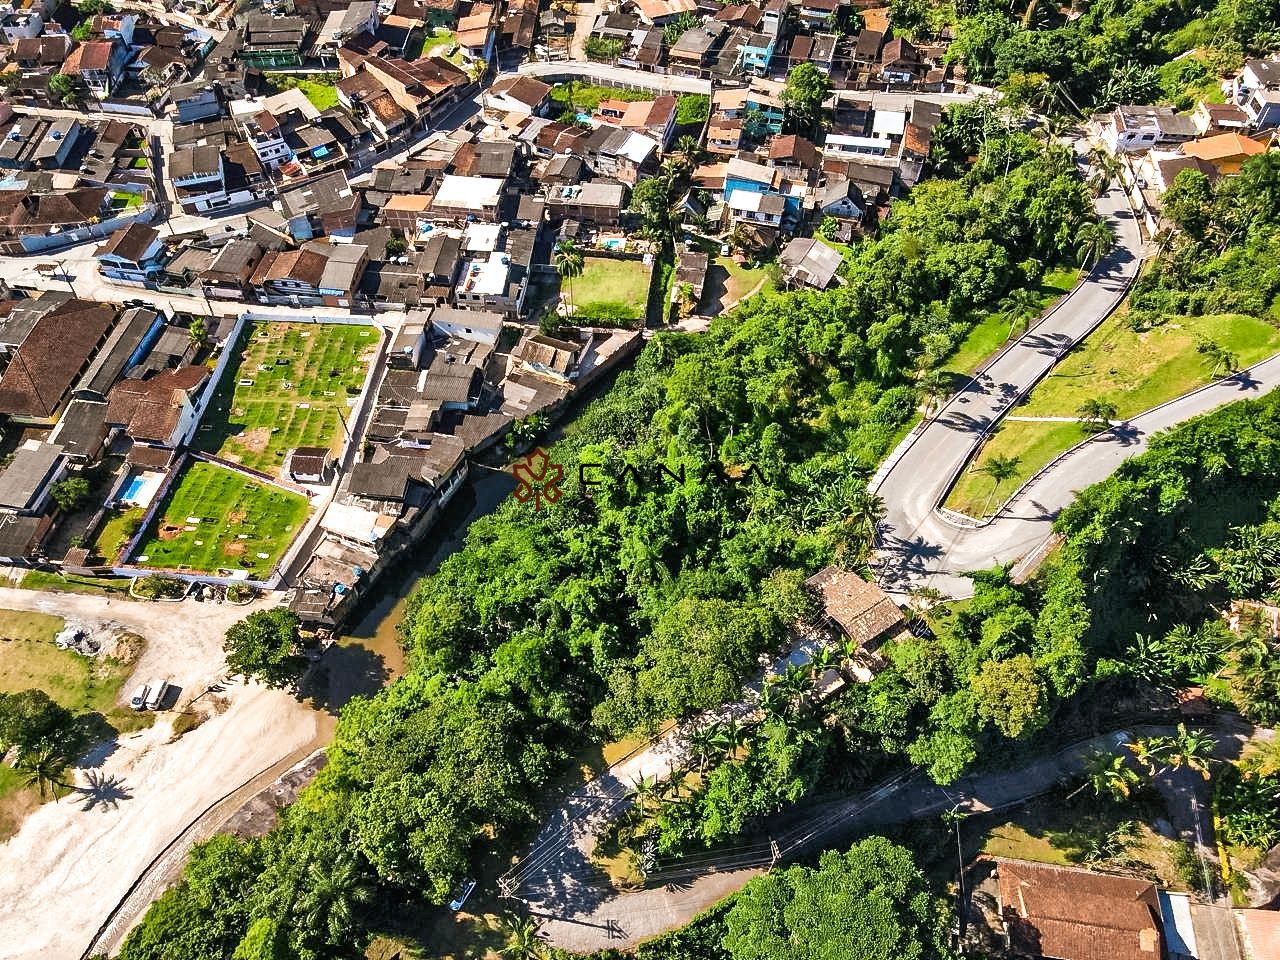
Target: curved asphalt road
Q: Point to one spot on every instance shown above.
(920, 546)
(917, 545)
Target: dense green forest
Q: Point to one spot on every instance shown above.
(1093, 56)
(1224, 255)
(612, 611)
(870, 902)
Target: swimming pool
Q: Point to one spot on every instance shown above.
(140, 488)
(614, 243)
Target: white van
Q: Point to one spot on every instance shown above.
(139, 699)
(158, 690)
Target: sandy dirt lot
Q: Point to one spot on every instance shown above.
(71, 862)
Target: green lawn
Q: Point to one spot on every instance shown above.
(992, 331)
(139, 163)
(585, 97)
(115, 532)
(285, 389)
(29, 659)
(214, 519)
(728, 282)
(1072, 833)
(125, 201)
(1134, 371)
(113, 587)
(1033, 443)
(621, 286)
(320, 89)
(446, 43)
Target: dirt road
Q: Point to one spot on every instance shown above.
(71, 862)
(184, 640)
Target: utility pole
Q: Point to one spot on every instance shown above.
(66, 278)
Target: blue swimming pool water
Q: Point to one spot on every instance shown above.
(130, 491)
(615, 243)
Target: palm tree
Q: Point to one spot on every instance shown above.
(797, 681)
(523, 942)
(775, 702)
(728, 736)
(688, 146)
(1096, 414)
(1020, 307)
(197, 331)
(823, 659)
(1094, 240)
(865, 513)
(568, 261)
(850, 650)
(999, 468)
(1106, 170)
(703, 745)
(1219, 358)
(932, 386)
(1108, 775)
(333, 896)
(43, 769)
(643, 792)
(1149, 752)
(1148, 659)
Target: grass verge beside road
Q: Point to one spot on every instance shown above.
(1132, 370)
(992, 331)
(215, 518)
(72, 583)
(30, 659)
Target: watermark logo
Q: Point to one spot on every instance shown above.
(538, 478)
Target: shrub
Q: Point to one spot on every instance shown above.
(156, 587)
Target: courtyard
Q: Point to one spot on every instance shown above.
(609, 290)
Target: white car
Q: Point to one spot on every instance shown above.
(139, 699)
(158, 689)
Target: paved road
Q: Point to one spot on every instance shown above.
(917, 544)
(620, 76)
(579, 914)
(939, 552)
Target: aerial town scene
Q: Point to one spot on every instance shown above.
(671, 479)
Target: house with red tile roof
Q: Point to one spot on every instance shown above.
(1070, 914)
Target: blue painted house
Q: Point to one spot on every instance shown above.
(764, 97)
(747, 176)
(755, 54)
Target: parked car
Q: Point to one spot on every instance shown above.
(139, 699)
(157, 694)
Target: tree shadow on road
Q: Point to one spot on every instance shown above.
(345, 671)
(103, 791)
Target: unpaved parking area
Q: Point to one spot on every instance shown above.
(184, 640)
(71, 862)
